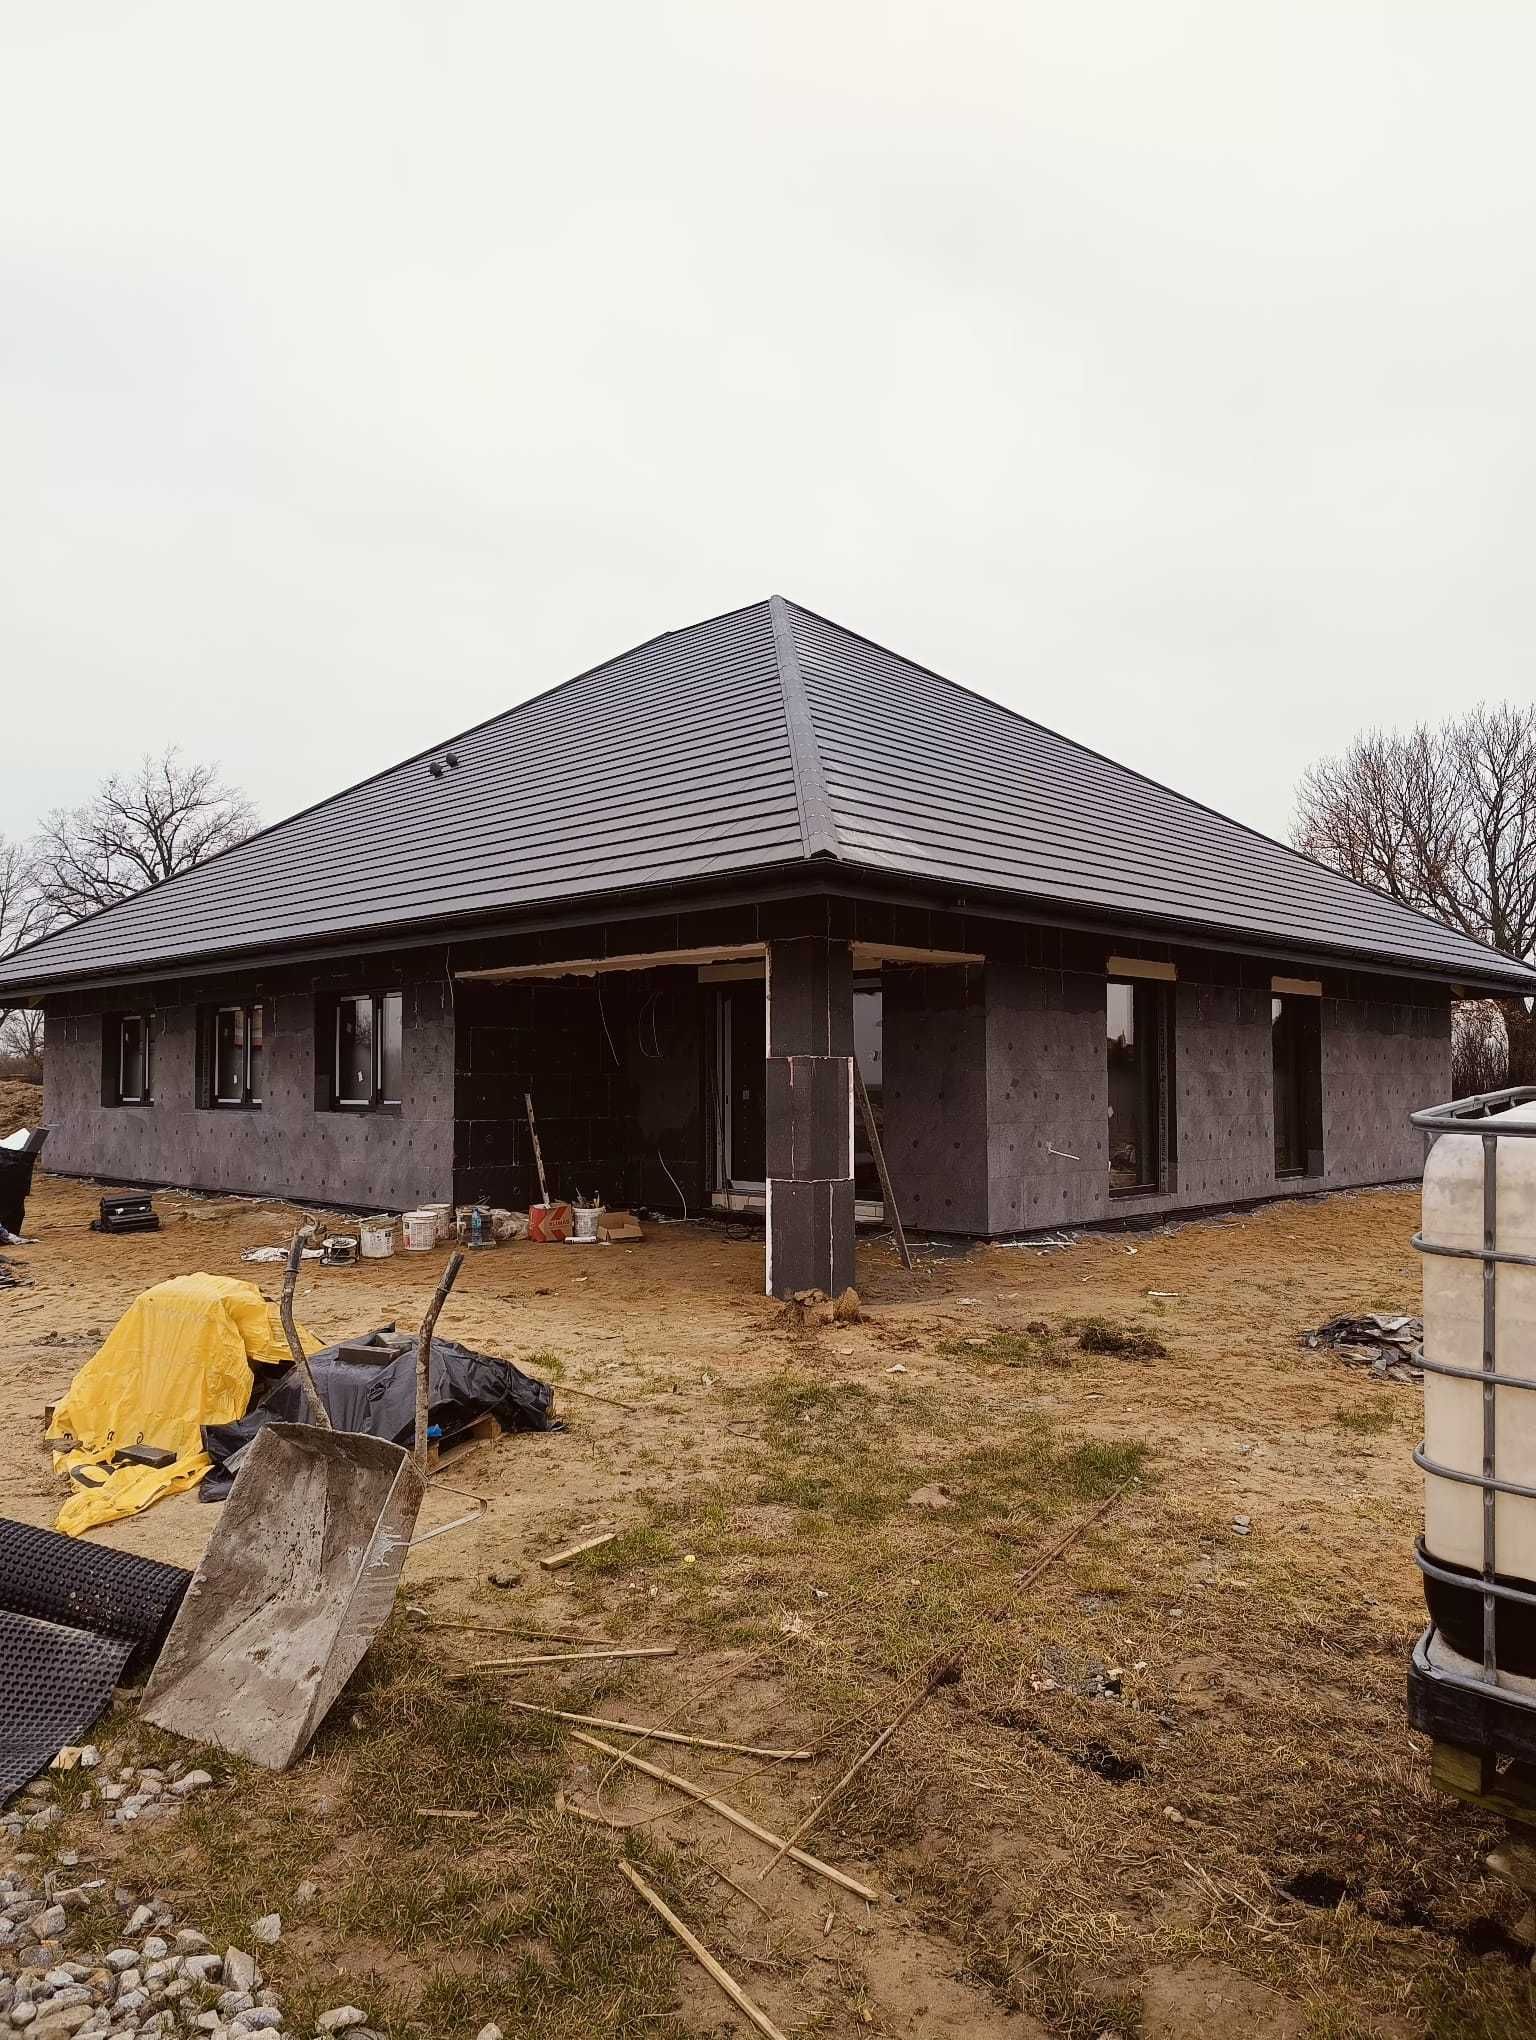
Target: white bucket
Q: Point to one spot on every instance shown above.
(376, 1237)
(588, 1218)
(442, 1215)
(420, 1231)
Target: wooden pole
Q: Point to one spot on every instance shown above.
(538, 1152)
(319, 1414)
(701, 1954)
(872, 1135)
(424, 1353)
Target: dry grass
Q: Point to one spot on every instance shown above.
(812, 1529)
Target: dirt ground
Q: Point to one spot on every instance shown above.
(1171, 1793)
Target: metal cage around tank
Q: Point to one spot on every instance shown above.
(1505, 1716)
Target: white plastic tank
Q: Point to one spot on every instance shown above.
(1453, 1335)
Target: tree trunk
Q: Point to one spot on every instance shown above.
(1520, 1026)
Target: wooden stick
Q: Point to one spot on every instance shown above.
(943, 1674)
(701, 1954)
(564, 1657)
(570, 1388)
(502, 1629)
(447, 1813)
(726, 1812)
(424, 1353)
(538, 1152)
(872, 1135)
(319, 1414)
(948, 1671)
(557, 1559)
(740, 1890)
(697, 1742)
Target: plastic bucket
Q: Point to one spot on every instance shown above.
(420, 1231)
(588, 1218)
(443, 1216)
(376, 1238)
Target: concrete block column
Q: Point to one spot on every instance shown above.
(808, 1098)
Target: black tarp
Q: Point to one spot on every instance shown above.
(369, 1385)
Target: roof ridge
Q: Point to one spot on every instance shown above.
(818, 825)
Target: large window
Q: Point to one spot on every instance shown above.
(1296, 1036)
(130, 1059)
(368, 1052)
(235, 1054)
(1136, 1033)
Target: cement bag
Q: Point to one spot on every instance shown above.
(179, 1357)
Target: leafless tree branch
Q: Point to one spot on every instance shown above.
(139, 829)
(1443, 820)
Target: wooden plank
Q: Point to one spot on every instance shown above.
(872, 1135)
(701, 1954)
(727, 1812)
(557, 1559)
(1474, 1777)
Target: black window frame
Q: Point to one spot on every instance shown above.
(379, 1003)
(1152, 1011)
(208, 1054)
(112, 1042)
(1296, 1075)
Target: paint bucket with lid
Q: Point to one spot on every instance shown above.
(420, 1231)
(443, 1217)
(376, 1238)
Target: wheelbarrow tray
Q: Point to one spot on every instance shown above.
(298, 1579)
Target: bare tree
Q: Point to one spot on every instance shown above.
(1443, 820)
(137, 830)
(24, 917)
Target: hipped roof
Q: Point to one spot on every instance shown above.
(766, 739)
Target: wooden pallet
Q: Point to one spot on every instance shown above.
(441, 1451)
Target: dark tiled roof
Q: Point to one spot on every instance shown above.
(763, 738)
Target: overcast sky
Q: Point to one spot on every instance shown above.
(1162, 369)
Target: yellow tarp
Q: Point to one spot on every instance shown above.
(177, 1359)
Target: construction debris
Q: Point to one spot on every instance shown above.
(701, 1954)
(727, 1812)
(1391, 1347)
(557, 1559)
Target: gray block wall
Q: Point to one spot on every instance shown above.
(996, 1096)
(286, 1148)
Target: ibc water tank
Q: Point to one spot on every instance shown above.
(1458, 1438)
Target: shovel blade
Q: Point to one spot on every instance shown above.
(297, 1580)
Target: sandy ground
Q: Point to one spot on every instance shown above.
(1256, 1732)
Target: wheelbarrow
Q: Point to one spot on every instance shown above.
(299, 1576)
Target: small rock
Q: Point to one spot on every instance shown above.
(23, 2012)
(240, 1971)
(121, 1959)
(191, 1781)
(204, 1968)
(142, 1917)
(492, 2032)
(268, 1930)
(307, 1892)
(259, 2019)
(190, 1942)
(340, 2018)
(55, 2025)
(234, 2002)
(156, 1950)
(51, 1921)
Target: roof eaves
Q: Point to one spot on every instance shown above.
(818, 827)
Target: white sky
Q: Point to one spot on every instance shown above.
(1164, 369)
